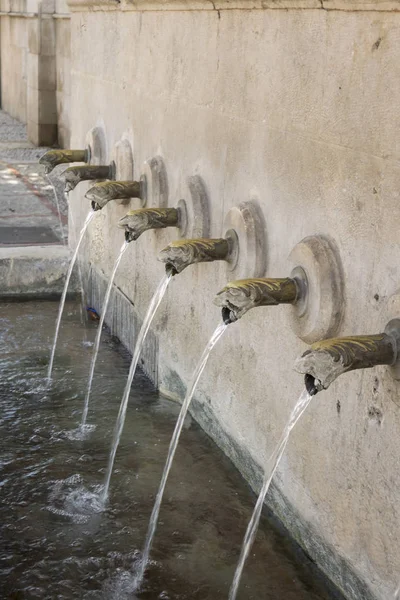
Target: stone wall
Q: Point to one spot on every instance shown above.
(35, 67)
(13, 48)
(297, 110)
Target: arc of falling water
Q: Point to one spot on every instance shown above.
(151, 311)
(272, 465)
(99, 332)
(64, 294)
(172, 448)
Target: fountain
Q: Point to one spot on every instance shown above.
(74, 175)
(238, 297)
(105, 191)
(134, 223)
(52, 158)
(324, 361)
(178, 255)
(138, 221)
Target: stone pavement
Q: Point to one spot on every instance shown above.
(33, 218)
(32, 209)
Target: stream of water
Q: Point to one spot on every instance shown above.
(172, 449)
(64, 294)
(270, 469)
(151, 311)
(99, 332)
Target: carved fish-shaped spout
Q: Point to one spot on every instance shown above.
(52, 158)
(324, 361)
(238, 297)
(101, 193)
(74, 175)
(138, 221)
(180, 254)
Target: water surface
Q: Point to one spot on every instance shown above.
(57, 542)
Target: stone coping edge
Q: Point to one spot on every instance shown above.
(183, 5)
(35, 272)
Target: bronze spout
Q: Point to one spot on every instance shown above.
(136, 222)
(324, 361)
(179, 255)
(74, 175)
(101, 193)
(240, 296)
(52, 158)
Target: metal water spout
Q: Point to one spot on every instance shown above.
(52, 158)
(105, 191)
(324, 361)
(182, 253)
(238, 297)
(74, 175)
(138, 221)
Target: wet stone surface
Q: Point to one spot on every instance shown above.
(58, 541)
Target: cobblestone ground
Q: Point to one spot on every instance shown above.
(33, 210)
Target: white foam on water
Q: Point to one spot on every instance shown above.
(80, 433)
(71, 499)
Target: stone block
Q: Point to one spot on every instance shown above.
(32, 6)
(47, 73)
(33, 104)
(34, 36)
(33, 70)
(41, 72)
(47, 107)
(47, 6)
(18, 32)
(47, 36)
(41, 134)
(35, 271)
(5, 5)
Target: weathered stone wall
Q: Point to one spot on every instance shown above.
(297, 109)
(35, 67)
(14, 52)
(63, 72)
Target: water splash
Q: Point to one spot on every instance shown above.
(99, 332)
(172, 449)
(64, 294)
(151, 311)
(71, 499)
(270, 469)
